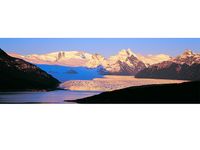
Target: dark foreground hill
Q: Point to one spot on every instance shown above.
(183, 93)
(17, 74)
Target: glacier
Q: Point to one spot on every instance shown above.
(65, 73)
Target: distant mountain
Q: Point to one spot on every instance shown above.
(124, 63)
(17, 74)
(64, 58)
(182, 93)
(95, 61)
(183, 67)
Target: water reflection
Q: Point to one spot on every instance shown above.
(57, 96)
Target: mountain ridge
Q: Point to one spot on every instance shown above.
(54, 56)
(17, 74)
(183, 67)
(125, 62)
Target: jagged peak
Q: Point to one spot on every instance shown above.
(188, 52)
(126, 52)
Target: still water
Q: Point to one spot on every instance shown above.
(57, 96)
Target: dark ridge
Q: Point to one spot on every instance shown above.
(182, 93)
(3, 54)
(17, 75)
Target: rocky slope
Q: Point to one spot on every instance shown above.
(183, 67)
(17, 74)
(187, 57)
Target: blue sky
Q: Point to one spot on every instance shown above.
(104, 46)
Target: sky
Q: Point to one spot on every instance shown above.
(104, 46)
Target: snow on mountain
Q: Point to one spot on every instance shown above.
(16, 55)
(153, 59)
(187, 57)
(95, 61)
(81, 58)
(183, 67)
(125, 63)
(64, 58)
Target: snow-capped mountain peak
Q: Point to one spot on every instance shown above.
(125, 62)
(126, 53)
(188, 52)
(187, 57)
(122, 56)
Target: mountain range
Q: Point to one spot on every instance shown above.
(125, 62)
(183, 67)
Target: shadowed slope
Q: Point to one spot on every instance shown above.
(17, 74)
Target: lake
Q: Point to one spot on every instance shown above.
(57, 96)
